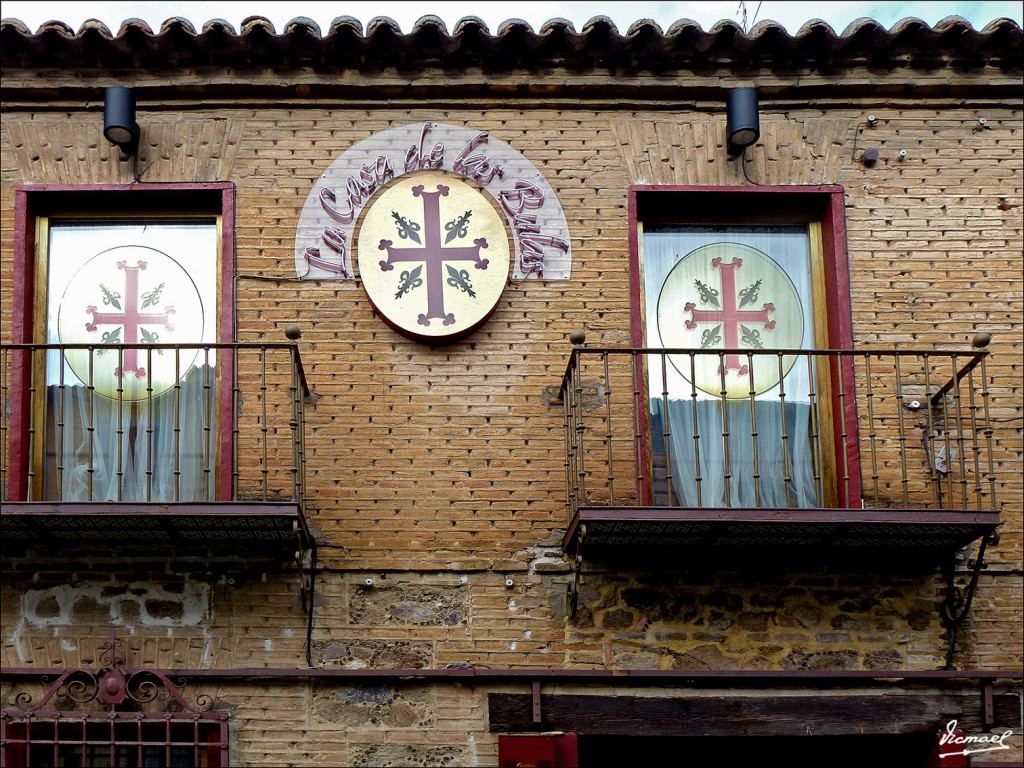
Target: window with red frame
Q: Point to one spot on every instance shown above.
(123, 297)
(760, 272)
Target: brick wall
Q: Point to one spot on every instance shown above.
(438, 472)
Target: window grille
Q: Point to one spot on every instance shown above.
(68, 727)
(116, 739)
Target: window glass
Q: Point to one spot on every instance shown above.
(130, 396)
(741, 428)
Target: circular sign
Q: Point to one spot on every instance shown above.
(124, 296)
(730, 296)
(433, 256)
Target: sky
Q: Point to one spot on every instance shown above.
(791, 15)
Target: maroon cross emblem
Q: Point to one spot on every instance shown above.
(131, 319)
(434, 255)
(730, 315)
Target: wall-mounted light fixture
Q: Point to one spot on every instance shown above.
(119, 124)
(742, 127)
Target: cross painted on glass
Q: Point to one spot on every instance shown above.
(131, 319)
(434, 255)
(729, 316)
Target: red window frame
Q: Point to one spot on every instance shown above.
(34, 201)
(824, 204)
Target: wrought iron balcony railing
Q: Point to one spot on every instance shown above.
(779, 429)
(147, 429)
(156, 422)
(752, 456)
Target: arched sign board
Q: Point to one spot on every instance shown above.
(433, 218)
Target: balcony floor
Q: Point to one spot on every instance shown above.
(266, 527)
(906, 533)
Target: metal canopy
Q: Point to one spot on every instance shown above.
(268, 527)
(911, 532)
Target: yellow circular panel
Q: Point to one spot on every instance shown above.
(730, 296)
(433, 256)
(130, 295)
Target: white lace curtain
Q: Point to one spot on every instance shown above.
(162, 449)
(780, 467)
(765, 471)
(131, 281)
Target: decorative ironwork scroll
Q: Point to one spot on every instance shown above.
(113, 685)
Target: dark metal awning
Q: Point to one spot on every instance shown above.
(908, 532)
(262, 526)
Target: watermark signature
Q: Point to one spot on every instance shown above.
(970, 745)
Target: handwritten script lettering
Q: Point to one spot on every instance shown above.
(529, 204)
(478, 167)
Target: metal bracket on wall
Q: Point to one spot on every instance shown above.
(957, 602)
(307, 590)
(303, 555)
(572, 595)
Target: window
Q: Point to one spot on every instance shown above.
(128, 423)
(761, 274)
(116, 740)
(112, 717)
(125, 311)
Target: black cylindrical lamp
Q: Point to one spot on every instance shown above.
(119, 124)
(742, 127)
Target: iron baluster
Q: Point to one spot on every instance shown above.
(696, 429)
(265, 468)
(841, 367)
(177, 424)
(208, 450)
(726, 465)
(302, 393)
(754, 446)
(815, 415)
(972, 409)
(149, 424)
(987, 418)
(638, 404)
(120, 425)
(947, 446)
(236, 411)
(666, 431)
(570, 450)
(577, 389)
(293, 391)
(608, 428)
(929, 432)
(32, 436)
(91, 422)
(872, 426)
(959, 439)
(904, 476)
(787, 475)
(60, 421)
